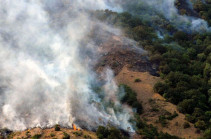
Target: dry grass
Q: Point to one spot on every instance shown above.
(51, 133)
(149, 99)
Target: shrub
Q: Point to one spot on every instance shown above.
(57, 127)
(160, 88)
(102, 132)
(172, 116)
(180, 36)
(200, 124)
(52, 134)
(183, 12)
(109, 133)
(166, 136)
(87, 137)
(151, 132)
(130, 99)
(154, 109)
(186, 125)
(207, 134)
(37, 136)
(78, 133)
(156, 58)
(137, 80)
(28, 134)
(162, 120)
(186, 106)
(66, 136)
(189, 118)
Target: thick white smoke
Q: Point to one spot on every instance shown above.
(45, 69)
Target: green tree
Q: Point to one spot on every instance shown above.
(161, 88)
(186, 106)
(207, 133)
(200, 124)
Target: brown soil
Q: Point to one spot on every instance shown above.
(151, 101)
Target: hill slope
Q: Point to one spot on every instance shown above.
(51, 133)
(155, 105)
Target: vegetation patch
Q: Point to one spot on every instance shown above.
(130, 98)
(57, 127)
(79, 133)
(109, 133)
(137, 80)
(87, 137)
(37, 136)
(65, 136)
(186, 125)
(52, 135)
(151, 132)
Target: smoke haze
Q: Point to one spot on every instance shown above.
(46, 60)
(152, 9)
(46, 75)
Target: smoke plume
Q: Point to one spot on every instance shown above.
(46, 67)
(47, 58)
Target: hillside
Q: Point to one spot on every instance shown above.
(36, 133)
(132, 65)
(155, 105)
(105, 69)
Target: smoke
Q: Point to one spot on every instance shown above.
(152, 9)
(46, 60)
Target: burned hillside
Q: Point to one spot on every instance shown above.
(118, 52)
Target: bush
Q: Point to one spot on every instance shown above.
(102, 132)
(37, 136)
(200, 124)
(114, 133)
(155, 58)
(186, 106)
(137, 80)
(166, 136)
(160, 88)
(78, 133)
(180, 36)
(189, 118)
(66, 136)
(57, 127)
(186, 125)
(149, 131)
(172, 116)
(87, 137)
(207, 134)
(130, 98)
(109, 133)
(52, 134)
(162, 120)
